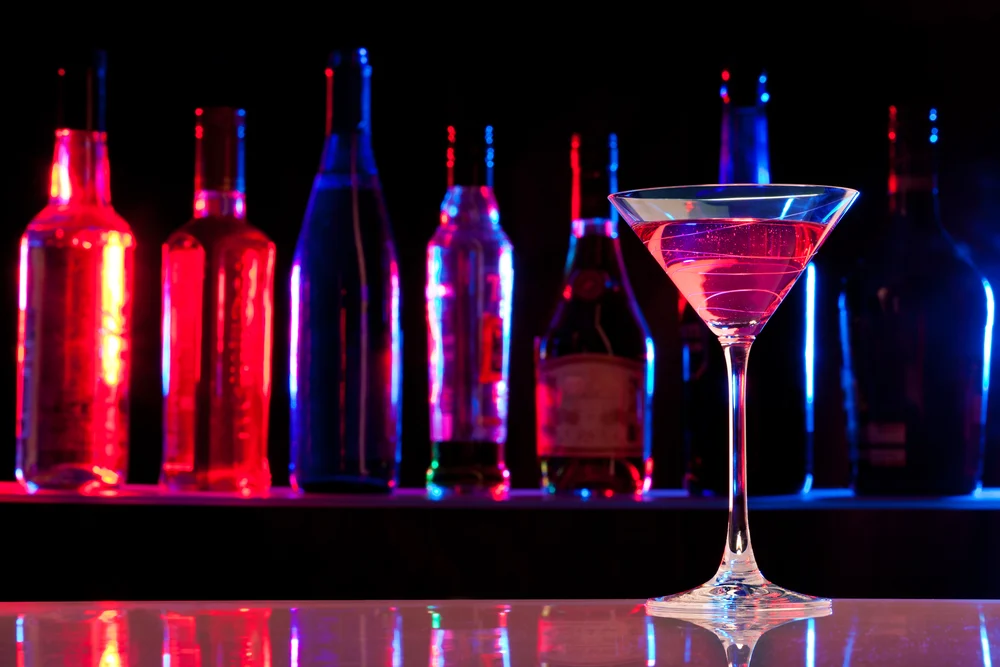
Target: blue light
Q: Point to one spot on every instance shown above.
(364, 56)
(987, 345)
(650, 642)
(934, 138)
(811, 643)
(984, 640)
(764, 97)
(933, 115)
(241, 132)
(723, 91)
(810, 350)
(763, 78)
(934, 130)
(293, 356)
(241, 112)
(435, 492)
(585, 493)
(613, 171)
(19, 632)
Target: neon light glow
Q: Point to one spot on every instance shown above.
(613, 171)
(506, 268)
(650, 643)
(810, 348)
(293, 356)
(984, 641)
(450, 156)
(22, 310)
(811, 643)
(112, 306)
(489, 156)
(396, 347)
(574, 164)
(166, 331)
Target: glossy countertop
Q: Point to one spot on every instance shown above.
(597, 633)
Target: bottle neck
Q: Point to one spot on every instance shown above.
(81, 174)
(912, 185)
(470, 207)
(347, 149)
(743, 156)
(219, 173)
(594, 247)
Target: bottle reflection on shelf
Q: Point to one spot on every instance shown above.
(581, 635)
(90, 638)
(469, 635)
(331, 636)
(224, 637)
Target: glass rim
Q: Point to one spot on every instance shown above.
(701, 193)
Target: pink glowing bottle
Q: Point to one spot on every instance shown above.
(218, 306)
(75, 304)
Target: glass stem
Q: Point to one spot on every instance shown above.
(738, 563)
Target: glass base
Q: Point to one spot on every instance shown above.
(724, 597)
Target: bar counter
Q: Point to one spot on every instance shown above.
(858, 633)
(147, 545)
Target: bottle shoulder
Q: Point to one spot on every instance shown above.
(75, 217)
(212, 231)
(464, 236)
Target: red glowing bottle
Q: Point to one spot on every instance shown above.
(218, 306)
(75, 304)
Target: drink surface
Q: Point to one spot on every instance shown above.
(734, 273)
(218, 300)
(73, 349)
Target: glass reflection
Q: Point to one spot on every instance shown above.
(606, 635)
(466, 634)
(334, 635)
(739, 634)
(76, 637)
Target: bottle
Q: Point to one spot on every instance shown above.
(779, 403)
(74, 309)
(218, 305)
(594, 370)
(917, 322)
(345, 361)
(470, 288)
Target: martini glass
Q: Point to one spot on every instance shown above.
(734, 252)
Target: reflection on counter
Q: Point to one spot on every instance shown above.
(580, 633)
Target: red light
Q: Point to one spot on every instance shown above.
(892, 136)
(329, 73)
(198, 112)
(451, 133)
(725, 75)
(725, 99)
(199, 132)
(62, 72)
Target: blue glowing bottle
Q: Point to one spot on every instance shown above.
(470, 287)
(917, 320)
(346, 345)
(779, 417)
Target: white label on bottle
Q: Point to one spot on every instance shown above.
(886, 444)
(590, 406)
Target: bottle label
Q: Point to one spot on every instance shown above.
(491, 364)
(591, 406)
(884, 444)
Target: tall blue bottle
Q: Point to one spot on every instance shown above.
(779, 406)
(917, 326)
(345, 354)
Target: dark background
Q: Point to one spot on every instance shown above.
(653, 80)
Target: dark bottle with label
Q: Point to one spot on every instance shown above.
(779, 410)
(345, 360)
(914, 317)
(469, 291)
(594, 382)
